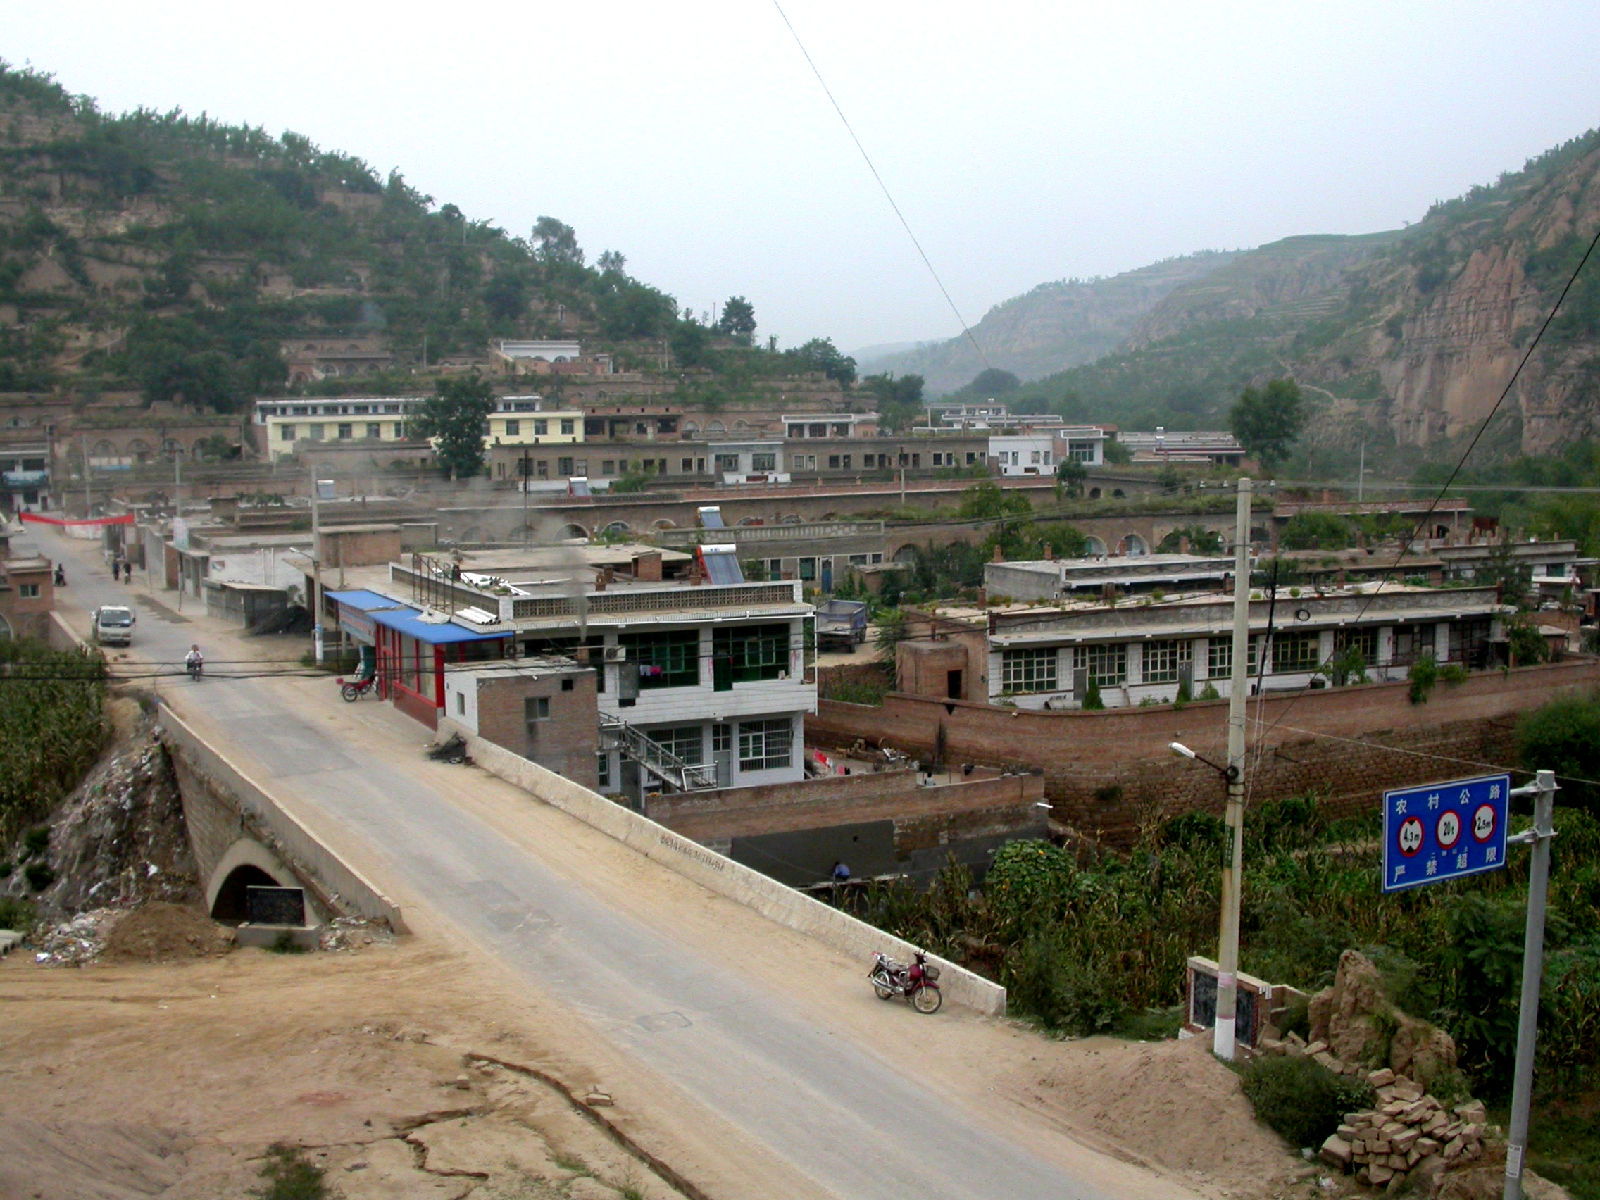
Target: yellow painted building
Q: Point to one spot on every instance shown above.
(348, 420)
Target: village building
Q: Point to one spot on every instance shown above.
(1148, 651)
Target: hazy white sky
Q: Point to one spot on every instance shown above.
(1024, 142)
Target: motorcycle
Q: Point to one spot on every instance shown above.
(918, 981)
(353, 689)
(195, 667)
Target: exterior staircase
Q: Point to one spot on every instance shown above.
(655, 758)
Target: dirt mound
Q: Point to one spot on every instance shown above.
(1144, 1099)
(162, 932)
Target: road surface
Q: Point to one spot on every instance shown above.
(773, 1049)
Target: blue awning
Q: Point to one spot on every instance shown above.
(408, 621)
(366, 601)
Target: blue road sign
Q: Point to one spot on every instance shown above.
(1444, 831)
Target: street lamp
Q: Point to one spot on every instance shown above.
(1223, 1043)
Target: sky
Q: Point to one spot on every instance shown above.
(1020, 142)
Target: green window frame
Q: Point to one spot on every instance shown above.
(1107, 663)
(1293, 653)
(1029, 670)
(1165, 660)
(747, 653)
(675, 655)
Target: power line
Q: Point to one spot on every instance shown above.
(867, 158)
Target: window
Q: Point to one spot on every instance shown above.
(513, 428)
(846, 462)
(1219, 657)
(833, 462)
(663, 659)
(602, 770)
(721, 738)
(1032, 670)
(1293, 652)
(461, 704)
(608, 467)
(1469, 641)
(1107, 663)
(765, 745)
(681, 741)
(763, 462)
(28, 591)
(580, 466)
(567, 426)
(314, 432)
(807, 568)
(745, 653)
(1364, 640)
(541, 428)
(374, 430)
(346, 431)
(287, 433)
(687, 466)
(727, 462)
(1164, 660)
(564, 466)
(1411, 642)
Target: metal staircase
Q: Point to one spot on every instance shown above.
(617, 734)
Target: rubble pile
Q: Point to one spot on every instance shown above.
(1409, 1134)
(1410, 1138)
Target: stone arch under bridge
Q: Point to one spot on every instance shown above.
(244, 864)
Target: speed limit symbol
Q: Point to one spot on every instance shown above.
(1448, 830)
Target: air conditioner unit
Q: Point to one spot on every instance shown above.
(616, 654)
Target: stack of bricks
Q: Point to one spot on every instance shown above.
(1409, 1133)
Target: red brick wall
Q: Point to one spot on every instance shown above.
(1106, 772)
(997, 802)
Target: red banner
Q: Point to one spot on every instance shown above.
(42, 519)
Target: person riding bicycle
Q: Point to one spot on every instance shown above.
(194, 661)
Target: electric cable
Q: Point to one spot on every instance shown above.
(884, 187)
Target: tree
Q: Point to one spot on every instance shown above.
(738, 319)
(1116, 453)
(1564, 737)
(454, 417)
(558, 242)
(899, 399)
(691, 344)
(1070, 478)
(611, 262)
(987, 501)
(820, 355)
(993, 382)
(1268, 422)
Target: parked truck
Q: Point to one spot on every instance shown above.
(841, 625)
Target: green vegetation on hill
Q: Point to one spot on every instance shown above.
(185, 252)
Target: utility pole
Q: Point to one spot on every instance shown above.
(88, 498)
(526, 469)
(316, 563)
(1223, 1045)
(1532, 974)
(180, 536)
(1361, 474)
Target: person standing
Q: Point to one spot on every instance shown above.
(116, 569)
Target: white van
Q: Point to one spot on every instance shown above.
(112, 625)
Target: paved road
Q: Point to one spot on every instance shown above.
(753, 1044)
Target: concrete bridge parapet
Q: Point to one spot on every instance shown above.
(240, 836)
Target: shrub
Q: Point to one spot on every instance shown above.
(1091, 697)
(1301, 1099)
(1423, 674)
(289, 1175)
(15, 914)
(1048, 980)
(37, 840)
(40, 875)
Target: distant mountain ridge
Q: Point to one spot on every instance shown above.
(1404, 339)
(1054, 326)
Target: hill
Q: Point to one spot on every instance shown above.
(1404, 339)
(1054, 326)
(174, 257)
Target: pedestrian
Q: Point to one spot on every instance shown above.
(116, 569)
(127, 571)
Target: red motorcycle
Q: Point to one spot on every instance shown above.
(918, 982)
(353, 689)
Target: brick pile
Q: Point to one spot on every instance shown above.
(1409, 1135)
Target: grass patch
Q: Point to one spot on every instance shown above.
(1564, 1142)
(289, 1175)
